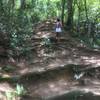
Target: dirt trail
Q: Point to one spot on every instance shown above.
(51, 70)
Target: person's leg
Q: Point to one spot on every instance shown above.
(57, 35)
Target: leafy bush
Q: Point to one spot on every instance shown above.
(46, 41)
(19, 91)
(8, 68)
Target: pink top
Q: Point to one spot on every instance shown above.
(58, 25)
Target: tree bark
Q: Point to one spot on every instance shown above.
(69, 23)
(86, 12)
(23, 4)
(63, 9)
(79, 15)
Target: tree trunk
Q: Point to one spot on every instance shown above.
(86, 12)
(23, 4)
(69, 23)
(79, 15)
(63, 9)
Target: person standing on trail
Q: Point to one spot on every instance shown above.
(58, 28)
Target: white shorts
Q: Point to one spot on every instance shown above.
(58, 30)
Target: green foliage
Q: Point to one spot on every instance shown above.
(8, 68)
(86, 19)
(9, 95)
(17, 18)
(46, 42)
(19, 91)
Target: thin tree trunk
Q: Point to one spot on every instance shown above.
(86, 12)
(63, 9)
(87, 20)
(23, 4)
(69, 23)
(79, 15)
